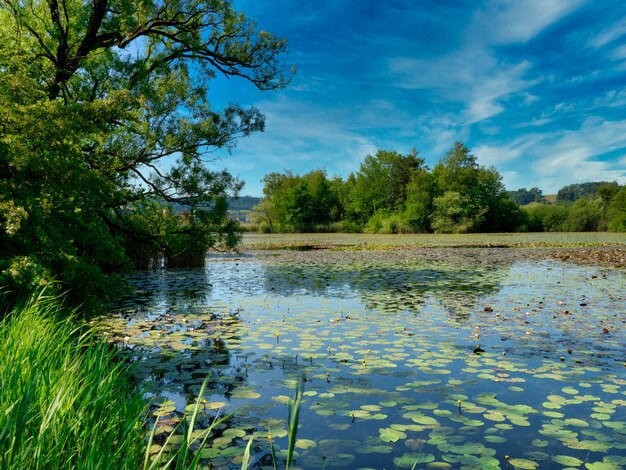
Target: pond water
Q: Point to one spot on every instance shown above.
(390, 358)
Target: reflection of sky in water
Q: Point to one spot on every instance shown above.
(398, 341)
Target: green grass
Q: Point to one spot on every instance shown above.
(66, 401)
(293, 421)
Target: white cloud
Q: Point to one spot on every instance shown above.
(488, 155)
(299, 136)
(619, 53)
(612, 99)
(472, 75)
(473, 78)
(553, 159)
(610, 34)
(515, 21)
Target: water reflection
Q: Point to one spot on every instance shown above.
(389, 289)
(386, 344)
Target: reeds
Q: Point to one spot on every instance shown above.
(293, 420)
(188, 454)
(67, 401)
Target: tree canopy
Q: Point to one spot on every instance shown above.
(395, 193)
(105, 117)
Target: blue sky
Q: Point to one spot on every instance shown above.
(536, 88)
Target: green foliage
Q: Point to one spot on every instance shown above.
(606, 192)
(395, 193)
(525, 196)
(585, 215)
(105, 122)
(473, 197)
(454, 214)
(419, 201)
(381, 183)
(616, 212)
(457, 171)
(547, 217)
(573, 192)
(293, 420)
(67, 401)
(298, 203)
(386, 222)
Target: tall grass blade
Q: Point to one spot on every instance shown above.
(67, 401)
(245, 462)
(293, 419)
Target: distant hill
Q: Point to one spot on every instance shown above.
(573, 192)
(243, 203)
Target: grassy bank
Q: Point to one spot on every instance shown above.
(66, 401)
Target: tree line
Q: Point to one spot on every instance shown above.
(396, 193)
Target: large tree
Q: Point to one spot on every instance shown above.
(294, 203)
(105, 121)
(472, 197)
(381, 182)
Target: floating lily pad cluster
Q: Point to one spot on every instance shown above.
(388, 354)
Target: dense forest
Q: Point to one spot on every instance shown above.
(395, 193)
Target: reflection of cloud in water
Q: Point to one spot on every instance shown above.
(201, 333)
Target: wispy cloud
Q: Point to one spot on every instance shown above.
(472, 74)
(608, 35)
(300, 137)
(554, 159)
(515, 21)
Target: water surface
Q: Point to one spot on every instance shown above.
(386, 353)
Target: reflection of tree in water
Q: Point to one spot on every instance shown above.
(391, 288)
(172, 288)
(183, 339)
(180, 365)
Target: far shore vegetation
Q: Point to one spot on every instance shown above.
(395, 193)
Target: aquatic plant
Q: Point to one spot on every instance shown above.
(188, 455)
(293, 420)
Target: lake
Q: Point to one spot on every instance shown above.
(466, 358)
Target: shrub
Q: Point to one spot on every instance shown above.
(547, 217)
(585, 215)
(616, 212)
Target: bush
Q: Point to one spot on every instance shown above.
(585, 215)
(349, 226)
(547, 218)
(616, 212)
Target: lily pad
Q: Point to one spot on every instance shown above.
(567, 460)
(523, 463)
